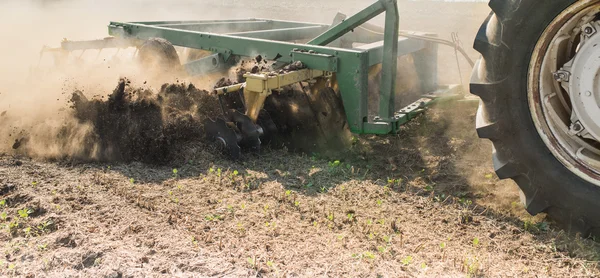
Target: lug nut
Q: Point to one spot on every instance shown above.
(561, 76)
(577, 127)
(588, 30)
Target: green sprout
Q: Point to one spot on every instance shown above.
(24, 213)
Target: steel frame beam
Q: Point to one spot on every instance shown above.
(352, 73)
(284, 34)
(252, 37)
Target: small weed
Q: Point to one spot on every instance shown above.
(350, 217)
(213, 217)
(364, 255)
(381, 249)
(443, 245)
(131, 181)
(45, 225)
(251, 262)
(464, 201)
(175, 173)
(535, 227)
(42, 247)
(271, 264)
(471, 266)
(330, 216)
(476, 242)
(379, 203)
(27, 231)
(393, 182)
(334, 164)
(24, 213)
(440, 197)
(3, 215)
(2, 203)
(407, 260)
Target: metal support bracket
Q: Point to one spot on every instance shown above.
(315, 60)
(258, 86)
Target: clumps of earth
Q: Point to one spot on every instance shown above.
(138, 124)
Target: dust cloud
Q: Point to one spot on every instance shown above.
(35, 94)
(37, 118)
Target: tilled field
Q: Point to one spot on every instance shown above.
(127, 187)
(424, 203)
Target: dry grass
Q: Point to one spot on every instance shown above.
(422, 203)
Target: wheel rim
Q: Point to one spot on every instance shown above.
(564, 88)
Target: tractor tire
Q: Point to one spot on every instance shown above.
(506, 41)
(159, 55)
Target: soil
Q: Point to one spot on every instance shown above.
(147, 198)
(422, 203)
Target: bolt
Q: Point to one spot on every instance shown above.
(561, 76)
(588, 93)
(588, 30)
(577, 127)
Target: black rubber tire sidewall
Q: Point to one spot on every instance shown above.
(548, 185)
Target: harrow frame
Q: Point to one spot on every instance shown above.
(324, 48)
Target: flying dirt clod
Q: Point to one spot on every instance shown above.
(137, 124)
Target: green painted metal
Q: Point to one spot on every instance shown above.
(405, 46)
(224, 27)
(388, 66)
(269, 38)
(316, 60)
(351, 23)
(352, 73)
(285, 34)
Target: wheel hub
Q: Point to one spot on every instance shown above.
(581, 78)
(564, 88)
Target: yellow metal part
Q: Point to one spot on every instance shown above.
(259, 86)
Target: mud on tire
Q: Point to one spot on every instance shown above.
(506, 41)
